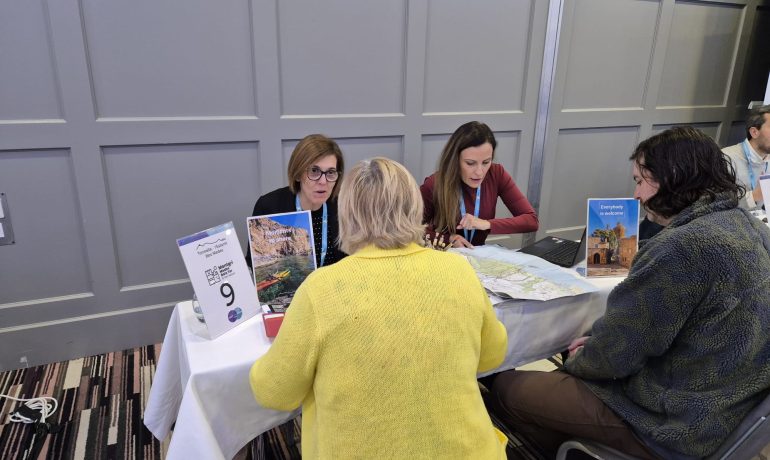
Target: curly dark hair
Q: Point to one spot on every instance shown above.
(687, 164)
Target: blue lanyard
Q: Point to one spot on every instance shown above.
(324, 228)
(475, 211)
(752, 178)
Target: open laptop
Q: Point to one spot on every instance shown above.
(565, 253)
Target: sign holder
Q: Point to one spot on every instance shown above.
(220, 278)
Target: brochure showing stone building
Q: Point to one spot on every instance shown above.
(282, 255)
(611, 236)
(509, 274)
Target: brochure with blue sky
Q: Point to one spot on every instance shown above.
(612, 233)
(282, 255)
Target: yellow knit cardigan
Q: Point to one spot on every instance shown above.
(382, 350)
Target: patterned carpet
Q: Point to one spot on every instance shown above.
(101, 406)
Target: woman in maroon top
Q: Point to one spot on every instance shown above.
(466, 169)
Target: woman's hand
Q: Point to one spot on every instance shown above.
(459, 242)
(471, 222)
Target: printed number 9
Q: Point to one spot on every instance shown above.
(227, 293)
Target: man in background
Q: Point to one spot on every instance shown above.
(750, 157)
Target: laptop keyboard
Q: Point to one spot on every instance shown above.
(563, 254)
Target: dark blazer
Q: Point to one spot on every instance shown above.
(283, 200)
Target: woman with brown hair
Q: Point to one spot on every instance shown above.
(461, 197)
(315, 168)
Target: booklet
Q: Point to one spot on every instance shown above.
(612, 233)
(282, 255)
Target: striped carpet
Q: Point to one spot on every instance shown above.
(101, 406)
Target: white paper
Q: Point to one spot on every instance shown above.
(220, 277)
(2, 213)
(764, 184)
(2, 233)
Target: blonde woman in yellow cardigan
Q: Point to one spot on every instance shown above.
(382, 348)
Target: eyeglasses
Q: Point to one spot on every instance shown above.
(315, 173)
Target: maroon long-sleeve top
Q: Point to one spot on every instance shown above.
(497, 183)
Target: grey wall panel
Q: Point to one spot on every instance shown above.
(355, 150)
(477, 58)
(432, 145)
(712, 129)
(737, 133)
(596, 77)
(671, 63)
(757, 64)
(56, 341)
(171, 58)
(700, 54)
(161, 193)
(179, 114)
(28, 80)
(48, 259)
(508, 154)
(589, 163)
(342, 56)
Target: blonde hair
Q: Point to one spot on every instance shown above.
(309, 150)
(379, 204)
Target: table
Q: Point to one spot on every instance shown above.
(203, 384)
(538, 330)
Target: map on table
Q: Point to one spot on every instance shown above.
(509, 274)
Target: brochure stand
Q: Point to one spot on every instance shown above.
(220, 278)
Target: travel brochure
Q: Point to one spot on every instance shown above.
(612, 234)
(282, 254)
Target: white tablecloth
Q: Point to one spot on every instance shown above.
(202, 384)
(537, 330)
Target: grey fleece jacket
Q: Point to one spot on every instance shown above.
(683, 350)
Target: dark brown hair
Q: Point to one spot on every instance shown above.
(445, 192)
(687, 164)
(309, 150)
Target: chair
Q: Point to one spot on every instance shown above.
(745, 442)
(591, 448)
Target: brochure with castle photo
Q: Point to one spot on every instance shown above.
(282, 255)
(612, 234)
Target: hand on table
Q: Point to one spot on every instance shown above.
(460, 242)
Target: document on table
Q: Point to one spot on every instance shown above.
(509, 274)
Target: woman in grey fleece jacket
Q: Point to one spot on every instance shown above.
(682, 353)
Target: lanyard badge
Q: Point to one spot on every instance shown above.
(752, 177)
(324, 228)
(475, 211)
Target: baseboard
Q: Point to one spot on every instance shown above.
(61, 340)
